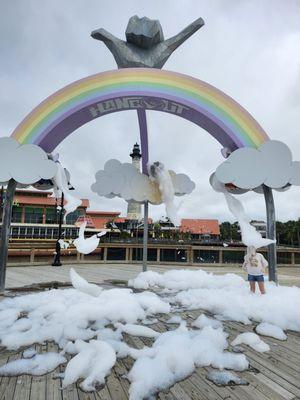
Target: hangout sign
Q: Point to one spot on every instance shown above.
(139, 88)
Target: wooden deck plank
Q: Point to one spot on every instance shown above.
(8, 384)
(38, 383)
(103, 394)
(225, 392)
(23, 388)
(274, 377)
(268, 387)
(70, 392)
(195, 391)
(115, 388)
(85, 396)
(53, 384)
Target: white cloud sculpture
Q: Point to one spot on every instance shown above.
(26, 163)
(124, 180)
(271, 164)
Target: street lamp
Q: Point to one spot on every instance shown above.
(56, 261)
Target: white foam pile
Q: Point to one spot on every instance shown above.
(203, 321)
(176, 319)
(271, 330)
(159, 174)
(252, 340)
(29, 353)
(185, 279)
(176, 354)
(66, 315)
(227, 296)
(39, 364)
(87, 246)
(224, 378)
(92, 362)
(82, 285)
(90, 323)
(137, 330)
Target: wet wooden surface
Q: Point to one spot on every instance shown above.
(273, 375)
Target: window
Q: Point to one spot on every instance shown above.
(137, 254)
(33, 215)
(29, 232)
(22, 232)
(116, 253)
(206, 256)
(15, 232)
(73, 217)
(42, 233)
(52, 216)
(36, 233)
(75, 233)
(233, 257)
(49, 233)
(168, 255)
(16, 214)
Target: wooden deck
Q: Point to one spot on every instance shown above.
(274, 375)
(26, 275)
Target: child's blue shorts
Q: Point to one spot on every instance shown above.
(255, 278)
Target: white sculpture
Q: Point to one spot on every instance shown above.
(86, 246)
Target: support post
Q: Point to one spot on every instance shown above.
(145, 158)
(145, 237)
(5, 231)
(271, 232)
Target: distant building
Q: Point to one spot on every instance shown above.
(205, 229)
(35, 215)
(192, 229)
(134, 209)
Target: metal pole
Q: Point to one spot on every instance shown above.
(5, 231)
(271, 232)
(145, 158)
(2, 201)
(56, 261)
(145, 236)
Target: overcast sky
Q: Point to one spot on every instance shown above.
(248, 49)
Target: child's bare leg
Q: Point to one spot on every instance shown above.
(252, 286)
(261, 286)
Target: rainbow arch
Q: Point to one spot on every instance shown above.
(134, 88)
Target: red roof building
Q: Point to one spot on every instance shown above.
(35, 214)
(101, 218)
(200, 227)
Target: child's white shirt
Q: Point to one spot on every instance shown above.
(262, 263)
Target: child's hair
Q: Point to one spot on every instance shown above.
(250, 256)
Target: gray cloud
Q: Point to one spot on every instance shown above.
(26, 164)
(124, 180)
(271, 164)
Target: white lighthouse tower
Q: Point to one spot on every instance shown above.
(134, 209)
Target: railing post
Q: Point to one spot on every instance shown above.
(32, 254)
